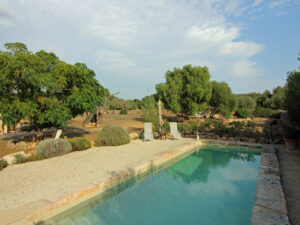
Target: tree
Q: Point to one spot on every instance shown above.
(150, 111)
(222, 100)
(246, 102)
(186, 90)
(40, 87)
(292, 97)
(278, 97)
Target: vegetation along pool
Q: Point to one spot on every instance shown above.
(212, 186)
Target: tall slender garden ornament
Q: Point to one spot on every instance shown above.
(40, 87)
(186, 90)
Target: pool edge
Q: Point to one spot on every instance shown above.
(115, 177)
(43, 209)
(270, 204)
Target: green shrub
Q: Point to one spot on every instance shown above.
(225, 111)
(149, 109)
(3, 164)
(166, 126)
(193, 126)
(264, 112)
(183, 128)
(35, 157)
(219, 128)
(235, 128)
(80, 144)
(246, 102)
(112, 136)
(50, 147)
(206, 126)
(19, 158)
(243, 113)
(124, 111)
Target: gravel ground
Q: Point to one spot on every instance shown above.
(290, 175)
(49, 179)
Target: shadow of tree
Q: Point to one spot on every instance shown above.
(72, 131)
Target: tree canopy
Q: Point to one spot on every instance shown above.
(41, 87)
(222, 100)
(292, 97)
(186, 90)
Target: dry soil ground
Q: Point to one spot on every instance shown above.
(132, 122)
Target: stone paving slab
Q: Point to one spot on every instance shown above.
(270, 205)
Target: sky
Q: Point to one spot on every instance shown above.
(130, 44)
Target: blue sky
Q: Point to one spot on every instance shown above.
(130, 44)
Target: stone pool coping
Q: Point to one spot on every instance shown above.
(267, 207)
(270, 205)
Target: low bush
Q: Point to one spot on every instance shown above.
(225, 111)
(124, 111)
(112, 136)
(50, 147)
(19, 158)
(35, 157)
(264, 112)
(3, 164)
(183, 128)
(243, 113)
(166, 126)
(193, 126)
(80, 144)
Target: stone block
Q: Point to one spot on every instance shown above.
(264, 216)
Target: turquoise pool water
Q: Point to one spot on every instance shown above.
(213, 186)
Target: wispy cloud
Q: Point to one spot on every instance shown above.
(246, 68)
(112, 60)
(257, 2)
(141, 38)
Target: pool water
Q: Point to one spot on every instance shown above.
(213, 186)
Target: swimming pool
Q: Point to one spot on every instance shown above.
(212, 186)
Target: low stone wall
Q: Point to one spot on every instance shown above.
(270, 206)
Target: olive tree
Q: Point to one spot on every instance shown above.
(186, 90)
(222, 100)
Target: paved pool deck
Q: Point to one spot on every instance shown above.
(35, 191)
(27, 189)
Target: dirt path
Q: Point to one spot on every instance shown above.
(290, 173)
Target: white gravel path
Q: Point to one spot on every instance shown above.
(49, 179)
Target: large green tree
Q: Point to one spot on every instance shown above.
(186, 90)
(293, 97)
(246, 102)
(41, 87)
(222, 100)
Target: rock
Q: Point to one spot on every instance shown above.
(134, 136)
(11, 157)
(230, 139)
